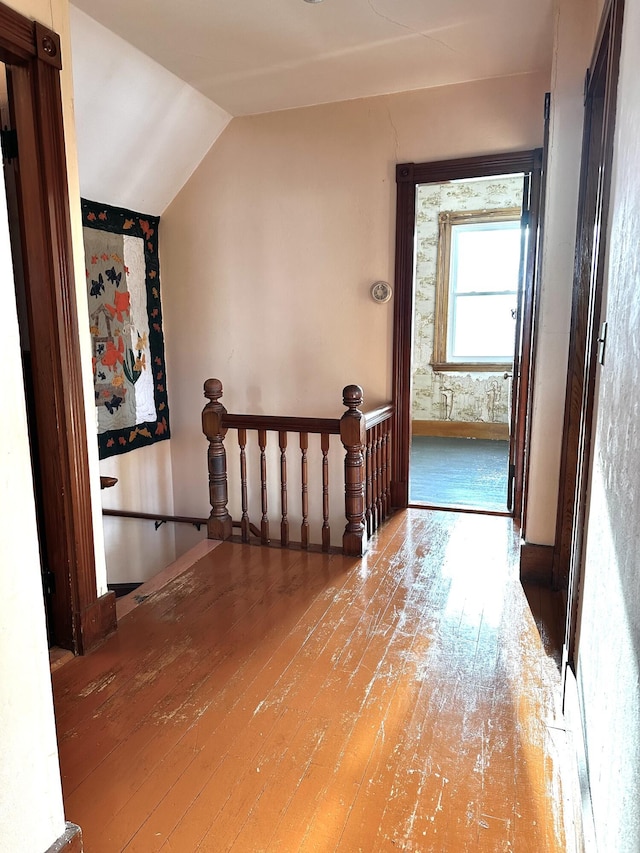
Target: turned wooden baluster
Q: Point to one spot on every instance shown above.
(385, 471)
(375, 486)
(388, 479)
(380, 483)
(326, 530)
(369, 484)
(244, 521)
(264, 523)
(219, 524)
(353, 435)
(304, 527)
(284, 524)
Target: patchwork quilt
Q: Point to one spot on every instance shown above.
(125, 317)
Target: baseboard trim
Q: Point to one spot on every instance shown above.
(97, 621)
(536, 564)
(69, 842)
(461, 429)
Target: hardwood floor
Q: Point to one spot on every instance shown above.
(283, 701)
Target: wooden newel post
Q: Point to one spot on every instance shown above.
(219, 525)
(352, 433)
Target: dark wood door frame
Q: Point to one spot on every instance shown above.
(589, 271)
(31, 53)
(514, 498)
(408, 176)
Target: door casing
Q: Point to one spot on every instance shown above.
(31, 53)
(408, 176)
(588, 286)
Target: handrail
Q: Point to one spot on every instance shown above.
(276, 423)
(366, 438)
(158, 517)
(378, 416)
(161, 518)
(282, 423)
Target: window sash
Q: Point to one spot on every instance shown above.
(446, 299)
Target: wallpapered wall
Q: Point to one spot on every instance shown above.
(471, 397)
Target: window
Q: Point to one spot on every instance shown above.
(477, 289)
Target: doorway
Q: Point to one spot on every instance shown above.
(31, 54)
(10, 190)
(467, 274)
(459, 378)
(588, 335)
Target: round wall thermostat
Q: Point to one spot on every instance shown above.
(381, 291)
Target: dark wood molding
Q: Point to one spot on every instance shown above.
(67, 362)
(402, 333)
(48, 46)
(17, 37)
(276, 423)
(45, 237)
(404, 173)
(97, 621)
(464, 167)
(408, 176)
(354, 438)
(589, 272)
(155, 516)
(524, 365)
(573, 403)
(461, 429)
(378, 416)
(69, 842)
(607, 14)
(464, 509)
(536, 564)
(367, 438)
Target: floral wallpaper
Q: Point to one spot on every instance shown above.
(453, 396)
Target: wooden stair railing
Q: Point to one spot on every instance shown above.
(366, 438)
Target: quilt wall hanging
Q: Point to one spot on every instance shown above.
(125, 317)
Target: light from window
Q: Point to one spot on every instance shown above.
(483, 291)
(477, 289)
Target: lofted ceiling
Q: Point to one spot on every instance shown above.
(253, 56)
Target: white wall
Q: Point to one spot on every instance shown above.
(60, 23)
(141, 130)
(574, 35)
(31, 809)
(269, 251)
(135, 550)
(141, 133)
(609, 641)
(31, 814)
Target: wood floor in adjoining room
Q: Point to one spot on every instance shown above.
(283, 701)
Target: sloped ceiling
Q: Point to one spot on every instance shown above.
(141, 131)
(253, 56)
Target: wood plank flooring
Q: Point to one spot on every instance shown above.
(283, 701)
